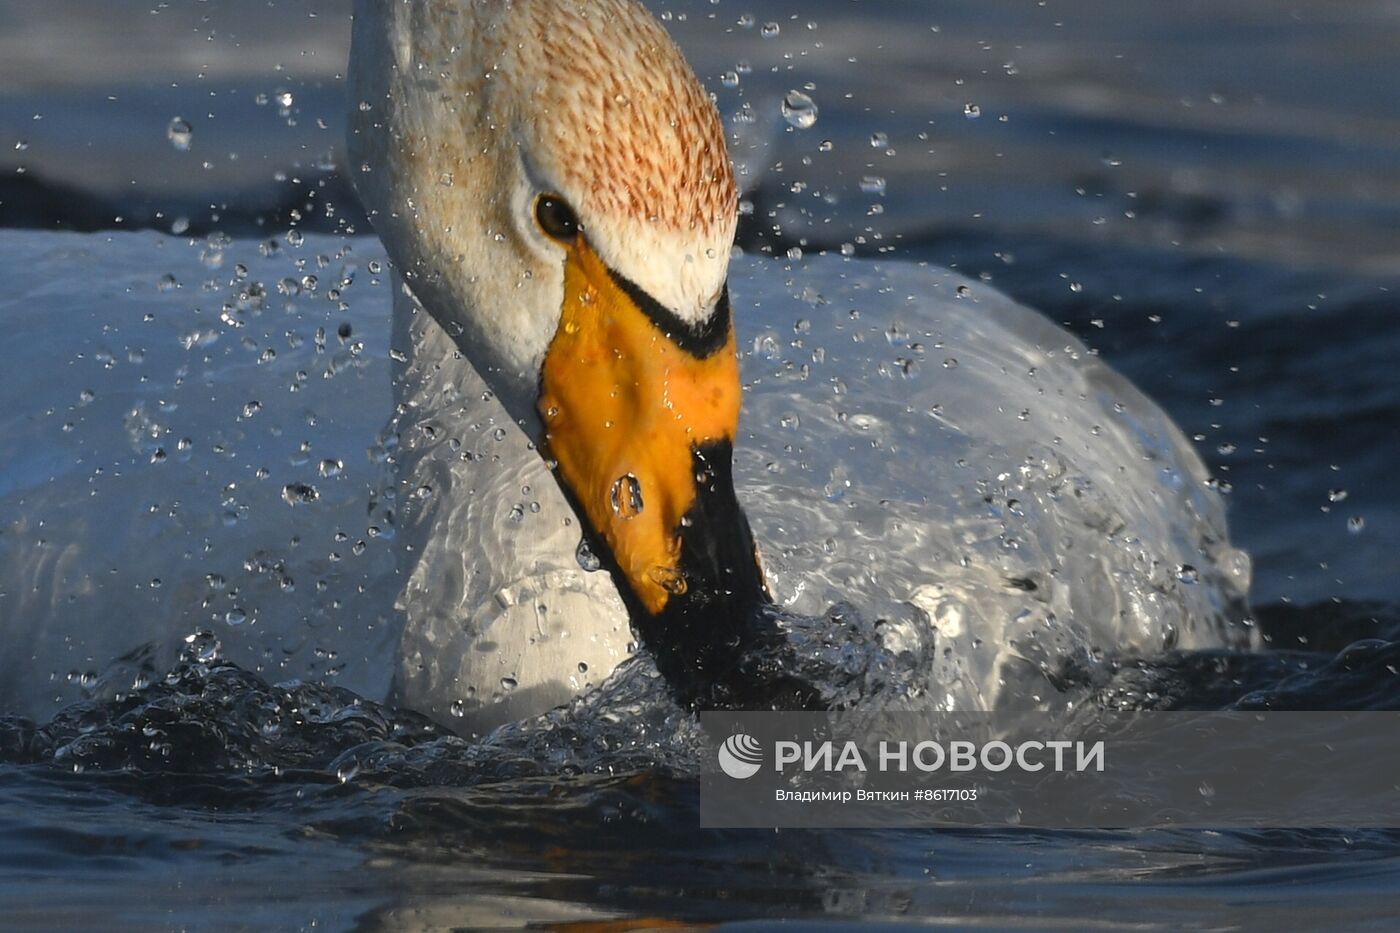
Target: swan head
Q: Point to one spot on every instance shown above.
(551, 180)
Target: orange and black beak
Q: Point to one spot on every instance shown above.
(640, 410)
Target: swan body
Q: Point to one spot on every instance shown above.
(914, 444)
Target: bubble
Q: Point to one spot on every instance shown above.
(1188, 574)
(872, 184)
(1337, 495)
(879, 140)
(799, 110)
(180, 134)
(729, 79)
(1356, 524)
(332, 467)
(770, 30)
(972, 111)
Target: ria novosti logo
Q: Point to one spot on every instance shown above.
(740, 756)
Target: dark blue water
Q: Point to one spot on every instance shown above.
(1206, 193)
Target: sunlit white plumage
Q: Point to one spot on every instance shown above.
(912, 443)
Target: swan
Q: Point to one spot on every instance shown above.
(613, 431)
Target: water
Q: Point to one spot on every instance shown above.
(1251, 292)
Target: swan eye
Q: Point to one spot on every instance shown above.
(556, 218)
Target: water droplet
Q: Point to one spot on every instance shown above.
(180, 134)
(1356, 524)
(202, 647)
(669, 579)
(729, 79)
(1188, 574)
(1337, 495)
(586, 558)
(235, 617)
(299, 493)
(799, 110)
(627, 496)
(509, 683)
(459, 709)
(770, 30)
(972, 111)
(332, 467)
(879, 140)
(872, 184)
